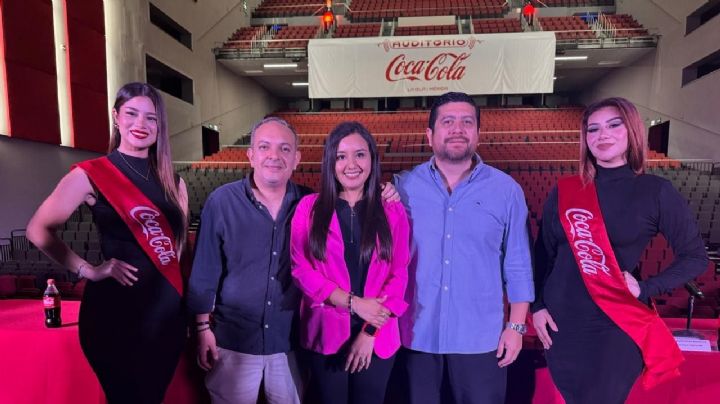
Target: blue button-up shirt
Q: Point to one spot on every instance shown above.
(468, 246)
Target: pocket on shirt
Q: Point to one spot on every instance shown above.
(485, 224)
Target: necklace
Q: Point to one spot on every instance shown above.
(146, 177)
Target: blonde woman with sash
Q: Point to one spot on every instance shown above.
(132, 323)
(591, 314)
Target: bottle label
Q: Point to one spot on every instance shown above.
(51, 302)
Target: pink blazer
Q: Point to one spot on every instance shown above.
(324, 328)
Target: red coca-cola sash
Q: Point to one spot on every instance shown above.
(145, 220)
(584, 226)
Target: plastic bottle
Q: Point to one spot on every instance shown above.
(51, 302)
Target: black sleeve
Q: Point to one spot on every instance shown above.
(545, 249)
(207, 266)
(678, 225)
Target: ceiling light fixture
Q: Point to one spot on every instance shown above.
(280, 65)
(568, 58)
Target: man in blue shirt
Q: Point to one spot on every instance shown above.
(470, 244)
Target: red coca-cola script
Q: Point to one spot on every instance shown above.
(444, 66)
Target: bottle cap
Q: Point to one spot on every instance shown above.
(51, 281)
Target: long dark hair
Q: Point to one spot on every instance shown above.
(159, 153)
(375, 224)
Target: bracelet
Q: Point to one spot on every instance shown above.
(79, 272)
(199, 330)
(350, 305)
(201, 323)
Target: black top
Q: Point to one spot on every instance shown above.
(241, 271)
(117, 241)
(635, 209)
(123, 326)
(351, 229)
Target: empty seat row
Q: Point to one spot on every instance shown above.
(288, 8)
(357, 30)
(375, 10)
(625, 26)
(496, 25)
(567, 27)
(427, 30)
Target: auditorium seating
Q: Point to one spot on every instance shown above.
(29, 268)
(567, 27)
(241, 39)
(201, 179)
(536, 146)
(536, 159)
(357, 30)
(376, 10)
(294, 36)
(427, 30)
(287, 8)
(363, 18)
(578, 3)
(625, 26)
(496, 25)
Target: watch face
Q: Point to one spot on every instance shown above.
(370, 329)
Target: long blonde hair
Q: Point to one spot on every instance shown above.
(159, 153)
(636, 153)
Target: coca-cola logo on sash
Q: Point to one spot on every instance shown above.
(161, 244)
(447, 65)
(589, 254)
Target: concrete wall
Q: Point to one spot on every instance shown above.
(29, 171)
(654, 83)
(221, 98)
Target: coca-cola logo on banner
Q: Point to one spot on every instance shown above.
(161, 244)
(589, 254)
(448, 64)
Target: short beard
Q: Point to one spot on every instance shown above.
(455, 157)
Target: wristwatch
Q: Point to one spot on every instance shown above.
(370, 329)
(519, 328)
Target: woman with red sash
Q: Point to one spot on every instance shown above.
(132, 322)
(591, 314)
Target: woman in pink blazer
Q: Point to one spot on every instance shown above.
(350, 252)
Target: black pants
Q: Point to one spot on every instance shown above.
(471, 378)
(331, 384)
(594, 367)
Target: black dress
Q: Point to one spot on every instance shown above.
(132, 335)
(591, 359)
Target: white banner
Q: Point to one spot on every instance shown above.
(513, 63)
